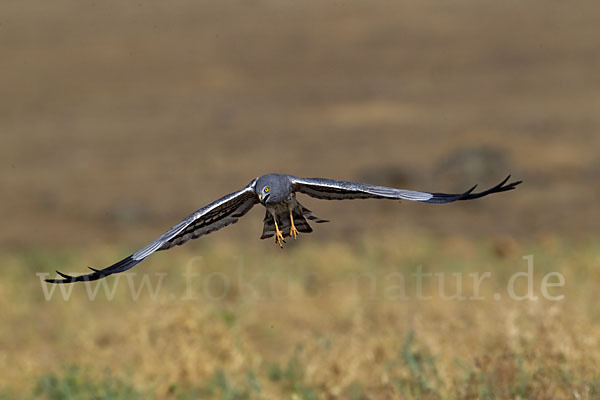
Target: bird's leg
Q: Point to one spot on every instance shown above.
(278, 235)
(293, 231)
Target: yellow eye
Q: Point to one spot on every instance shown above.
(266, 190)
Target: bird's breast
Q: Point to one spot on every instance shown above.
(284, 206)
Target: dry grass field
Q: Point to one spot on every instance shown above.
(331, 320)
(117, 119)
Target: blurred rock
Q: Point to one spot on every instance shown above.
(505, 247)
(125, 213)
(48, 201)
(592, 171)
(386, 175)
(481, 165)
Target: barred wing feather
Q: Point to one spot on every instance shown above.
(218, 214)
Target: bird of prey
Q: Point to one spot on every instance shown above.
(284, 216)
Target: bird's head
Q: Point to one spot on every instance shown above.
(272, 188)
(264, 193)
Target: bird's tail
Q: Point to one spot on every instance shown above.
(300, 214)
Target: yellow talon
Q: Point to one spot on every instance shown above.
(278, 236)
(293, 231)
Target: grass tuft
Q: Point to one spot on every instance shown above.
(77, 384)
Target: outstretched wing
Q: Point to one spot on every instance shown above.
(210, 218)
(329, 189)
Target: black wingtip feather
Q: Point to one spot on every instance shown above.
(123, 265)
(64, 275)
(470, 190)
(441, 198)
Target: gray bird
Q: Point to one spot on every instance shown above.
(284, 215)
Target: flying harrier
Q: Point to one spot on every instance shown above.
(284, 215)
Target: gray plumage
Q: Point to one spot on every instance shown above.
(284, 215)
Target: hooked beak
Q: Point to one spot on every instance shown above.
(264, 198)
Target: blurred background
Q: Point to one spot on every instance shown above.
(118, 119)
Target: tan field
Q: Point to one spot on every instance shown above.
(117, 119)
